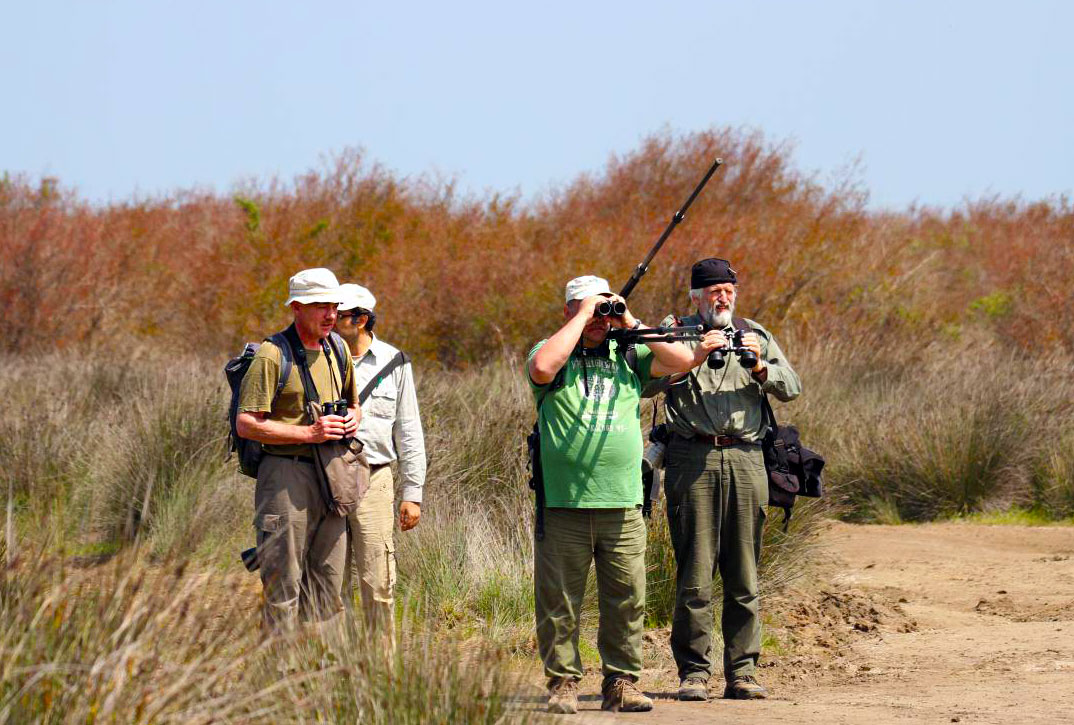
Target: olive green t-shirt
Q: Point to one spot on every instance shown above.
(259, 387)
(591, 441)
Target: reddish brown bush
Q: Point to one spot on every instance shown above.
(460, 278)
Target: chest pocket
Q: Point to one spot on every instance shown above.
(381, 402)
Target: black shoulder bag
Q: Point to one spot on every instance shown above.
(793, 470)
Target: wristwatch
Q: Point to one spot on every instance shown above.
(636, 325)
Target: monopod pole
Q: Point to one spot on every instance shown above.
(642, 268)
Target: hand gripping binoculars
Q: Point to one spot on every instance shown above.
(746, 357)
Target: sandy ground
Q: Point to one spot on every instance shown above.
(935, 623)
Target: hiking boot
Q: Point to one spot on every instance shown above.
(622, 695)
(745, 687)
(694, 688)
(563, 696)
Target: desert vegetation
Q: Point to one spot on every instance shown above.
(934, 346)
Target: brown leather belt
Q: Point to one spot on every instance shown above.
(719, 441)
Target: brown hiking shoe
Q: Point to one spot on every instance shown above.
(622, 695)
(563, 696)
(694, 688)
(745, 687)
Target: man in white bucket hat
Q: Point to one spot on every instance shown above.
(390, 430)
(300, 541)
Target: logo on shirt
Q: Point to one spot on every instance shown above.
(597, 380)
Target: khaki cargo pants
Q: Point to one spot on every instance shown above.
(716, 512)
(300, 545)
(371, 557)
(574, 539)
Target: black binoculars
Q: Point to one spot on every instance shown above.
(746, 357)
(611, 308)
(334, 407)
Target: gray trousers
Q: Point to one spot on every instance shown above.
(716, 511)
(300, 544)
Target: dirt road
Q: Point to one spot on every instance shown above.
(936, 623)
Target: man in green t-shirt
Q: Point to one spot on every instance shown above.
(587, 390)
(300, 541)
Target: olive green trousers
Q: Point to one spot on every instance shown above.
(575, 539)
(716, 512)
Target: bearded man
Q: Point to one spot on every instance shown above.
(717, 487)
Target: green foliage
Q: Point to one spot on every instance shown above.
(253, 214)
(1017, 517)
(995, 305)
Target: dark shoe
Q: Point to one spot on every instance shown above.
(744, 687)
(622, 695)
(563, 695)
(694, 688)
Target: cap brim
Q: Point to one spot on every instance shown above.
(606, 293)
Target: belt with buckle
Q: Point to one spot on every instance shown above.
(719, 441)
(296, 459)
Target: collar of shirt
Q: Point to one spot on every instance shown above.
(378, 350)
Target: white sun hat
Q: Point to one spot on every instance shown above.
(314, 285)
(581, 287)
(355, 295)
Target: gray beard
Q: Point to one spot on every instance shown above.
(718, 321)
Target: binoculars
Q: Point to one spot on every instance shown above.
(746, 357)
(611, 309)
(335, 407)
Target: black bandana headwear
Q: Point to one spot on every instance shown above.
(711, 271)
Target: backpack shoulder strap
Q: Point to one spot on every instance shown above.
(298, 352)
(339, 347)
(287, 359)
(630, 354)
(739, 323)
(556, 384)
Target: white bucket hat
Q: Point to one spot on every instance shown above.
(314, 285)
(581, 287)
(355, 295)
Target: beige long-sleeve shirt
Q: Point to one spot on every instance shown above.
(390, 427)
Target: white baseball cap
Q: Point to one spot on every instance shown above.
(313, 285)
(586, 286)
(355, 295)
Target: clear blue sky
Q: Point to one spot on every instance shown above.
(939, 100)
